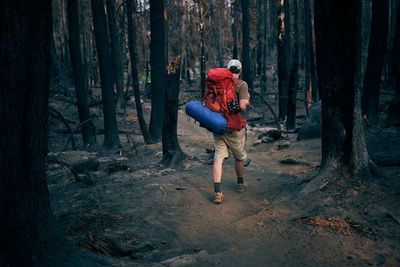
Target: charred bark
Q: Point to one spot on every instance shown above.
(234, 9)
(172, 152)
(393, 118)
(294, 73)
(343, 146)
(88, 130)
(283, 56)
(30, 236)
(116, 50)
(131, 9)
(158, 62)
(376, 56)
(308, 51)
(247, 70)
(264, 48)
(111, 138)
(202, 50)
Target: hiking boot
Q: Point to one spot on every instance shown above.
(240, 188)
(218, 197)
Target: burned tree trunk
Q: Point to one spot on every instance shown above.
(88, 130)
(116, 53)
(308, 88)
(265, 19)
(393, 118)
(172, 152)
(294, 73)
(376, 56)
(344, 152)
(30, 236)
(234, 11)
(247, 72)
(202, 50)
(283, 56)
(111, 138)
(158, 62)
(132, 50)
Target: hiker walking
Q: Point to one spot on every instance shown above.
(233, 139)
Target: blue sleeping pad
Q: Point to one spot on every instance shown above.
(208, 119)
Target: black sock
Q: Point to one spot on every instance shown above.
(217, 187)
(240, 180)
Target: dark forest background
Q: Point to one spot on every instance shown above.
(108, 52)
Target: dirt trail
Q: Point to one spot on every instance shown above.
(166, 217)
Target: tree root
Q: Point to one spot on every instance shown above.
(174, 161)
(319, 181)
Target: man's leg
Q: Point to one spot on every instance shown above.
(241, 184)
(239, 167)
(217, 173)
(217, 170)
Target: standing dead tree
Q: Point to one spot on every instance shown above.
(158, 62)
(247, 70)
(202, 49)
(111, 138)
(393, 117)
(30, 235)
(283, 56)
(172, 152)
(344, 152)
(88, 129)
(116, 53)
(376, 56)
(131, 9)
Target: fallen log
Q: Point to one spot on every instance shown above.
(77, 161)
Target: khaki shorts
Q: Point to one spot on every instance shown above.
(234, 141)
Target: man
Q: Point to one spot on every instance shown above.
(234, 140)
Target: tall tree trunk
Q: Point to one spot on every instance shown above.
(338, 33)
(283, 56)
(315, 93)
(260, 39)
(158, 62)
(216, 34)
(393, 118)
(308, 51)
(55, 68)
(88, 130)
(294, 73)
(376, 56)
(359, 158)
(234, 9)
(264, 47)
(247, 72)
(30, 236)
(390, 76)
(172, 152)
(202, 50)
(111, 138)
(131, 9)
(84, 43)
(146, 62)
(116, 53)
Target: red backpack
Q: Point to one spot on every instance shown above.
(220, 96)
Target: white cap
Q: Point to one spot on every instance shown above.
(236, 63)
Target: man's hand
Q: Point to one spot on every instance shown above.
(243, 103)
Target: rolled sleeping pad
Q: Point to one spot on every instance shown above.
(208, 119)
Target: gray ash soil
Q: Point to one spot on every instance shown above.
(151, 216)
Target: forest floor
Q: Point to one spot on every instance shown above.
(139, 214)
